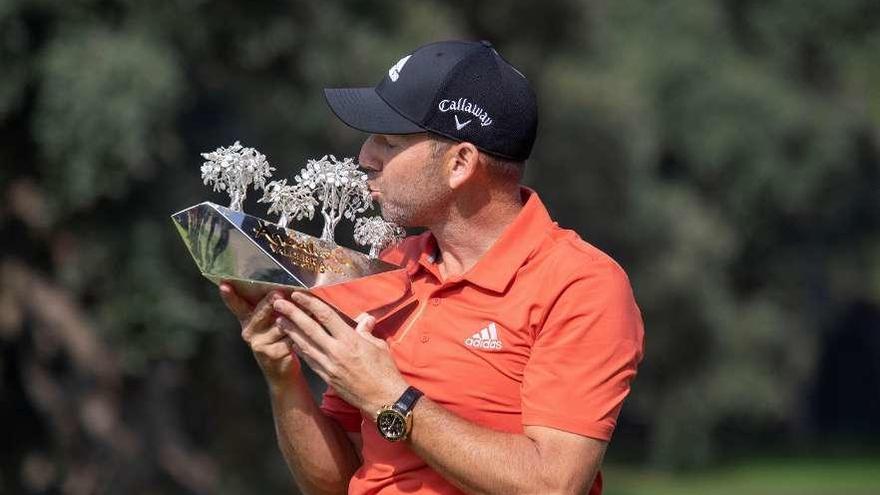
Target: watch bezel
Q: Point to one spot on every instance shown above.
(406, 418)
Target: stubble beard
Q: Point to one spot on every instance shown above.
(417, 207)
(418, 204)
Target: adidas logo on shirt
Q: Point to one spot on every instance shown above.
(486, 338)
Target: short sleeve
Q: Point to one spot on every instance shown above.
(334, 407)
(584, 356)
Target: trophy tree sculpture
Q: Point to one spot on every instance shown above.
(340, 186)
(289, 201)
(257, 256)
(376, 233)
(233, 169)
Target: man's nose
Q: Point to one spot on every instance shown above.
(367, 157)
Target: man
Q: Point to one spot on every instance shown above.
(506, 371)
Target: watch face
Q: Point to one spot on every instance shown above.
(391, 424)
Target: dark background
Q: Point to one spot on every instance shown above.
(724, 152)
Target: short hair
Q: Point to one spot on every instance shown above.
(499, 167)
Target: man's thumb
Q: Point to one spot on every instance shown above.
(365, 325)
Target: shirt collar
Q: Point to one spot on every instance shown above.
(424, 255)
(496, 268)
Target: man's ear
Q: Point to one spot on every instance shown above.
(462, 161)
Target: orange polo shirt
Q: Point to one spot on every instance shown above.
(543, 330)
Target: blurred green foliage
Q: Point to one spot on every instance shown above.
(726, 152)
(857, 476)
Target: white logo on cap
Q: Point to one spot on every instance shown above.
(459, 125)
(394, 71)
(463, 105)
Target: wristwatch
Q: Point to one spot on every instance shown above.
(395, 421)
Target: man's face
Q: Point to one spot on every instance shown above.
(408, 181)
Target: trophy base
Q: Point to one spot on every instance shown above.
(257, 257)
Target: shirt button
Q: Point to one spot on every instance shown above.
(435, 301)
(425, 339)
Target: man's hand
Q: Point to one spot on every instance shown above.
(356, 364)
(261, 330)
(317, 451)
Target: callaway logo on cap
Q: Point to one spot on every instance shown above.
(462, 90)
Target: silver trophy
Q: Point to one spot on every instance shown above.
(257, 256)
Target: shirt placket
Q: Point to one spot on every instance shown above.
(411, 332)
(417, 337)
(431, 337)
(432, 304)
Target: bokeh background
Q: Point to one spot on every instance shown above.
(726, 152)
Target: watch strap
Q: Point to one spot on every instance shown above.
(408, 400)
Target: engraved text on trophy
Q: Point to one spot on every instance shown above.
(303, 253)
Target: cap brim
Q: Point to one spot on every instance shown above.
(363, 109)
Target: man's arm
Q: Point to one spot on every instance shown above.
(317, 452)
(476, 459)
(484, 461)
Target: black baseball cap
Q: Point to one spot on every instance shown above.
(461, 90)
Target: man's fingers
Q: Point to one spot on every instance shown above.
(303, 323)
(238, 306)
(365, 326)
(322, 313)
(277, 350)
(261, 313)
(270, 336)
(288, 328)
(313, 355)
(316, 368)
(301, 344)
